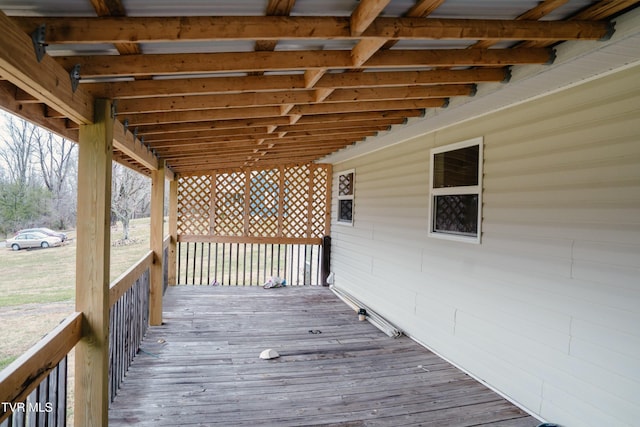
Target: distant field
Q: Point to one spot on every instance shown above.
(37, 287)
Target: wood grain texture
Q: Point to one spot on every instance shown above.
(202, 368)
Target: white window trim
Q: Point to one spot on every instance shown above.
(475, 189)
(346, 197)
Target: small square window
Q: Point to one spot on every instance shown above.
(456, 191)
(346, 181)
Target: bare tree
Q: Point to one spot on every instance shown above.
(130, 192)
(56, 156)
(18, 149)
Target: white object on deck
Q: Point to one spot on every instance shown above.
(269, 354)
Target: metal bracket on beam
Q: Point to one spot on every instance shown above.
(114, 109)
(507, 75)
(135, 134)
(38, 39)
(125, 123)
(74, 75)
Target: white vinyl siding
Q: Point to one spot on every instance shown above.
(547, 309)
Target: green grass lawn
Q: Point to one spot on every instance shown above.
(37, 287)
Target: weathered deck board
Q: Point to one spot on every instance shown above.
(201, 368)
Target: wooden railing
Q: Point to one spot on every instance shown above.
(249, 264)
(33, 389)
(128, 319)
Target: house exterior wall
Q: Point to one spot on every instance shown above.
(547, 308)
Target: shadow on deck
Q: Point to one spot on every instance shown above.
(201, 368)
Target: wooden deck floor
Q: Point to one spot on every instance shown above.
(202, 368)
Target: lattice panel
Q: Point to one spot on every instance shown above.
(229, 204)
(277, 203)
(194, 203)
(296, 202)
(264, 206)
(319, 202)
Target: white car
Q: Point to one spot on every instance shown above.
(32, 240)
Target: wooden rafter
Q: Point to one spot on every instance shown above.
(168, 29)
(311, 85)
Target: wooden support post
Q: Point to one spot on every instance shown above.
(156, 242)
(92, 268)
(173, 231)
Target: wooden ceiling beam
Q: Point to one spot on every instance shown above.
(274, 8)
(424, 7)
(115, 8)
(236, 142)
(196, 134)
(32, 112)
(200, 115)
(212, 125)
(364, 14)
(75, 30)
(411, 78)
(212, 102)
(344, 107)
(125, 142)
(45, 80)
(193, 138)
(230, 85)
(538, 12)
(360, 115)
(176, 64)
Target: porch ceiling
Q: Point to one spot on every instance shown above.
(228, 84)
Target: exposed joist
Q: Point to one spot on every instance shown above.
(45, 80)
(74, 30)
(364, 14)
(125, 142)
(168, 64)
(211, 102)
(223, 85)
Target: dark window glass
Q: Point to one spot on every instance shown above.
(345, 210)
(456, 214)
(345, 184)
(456, 168)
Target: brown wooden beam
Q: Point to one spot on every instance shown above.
(92, 268)
(76, 30)
(46, 80)
(162, 64)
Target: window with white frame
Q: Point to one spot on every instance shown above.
(346, 181)
(456, 191)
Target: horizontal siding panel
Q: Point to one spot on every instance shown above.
(564, 408)
(602, 232)
(546, 308)
(609, 253)
(627, 174)
(604, 273)
(605, 358)
(616, 341)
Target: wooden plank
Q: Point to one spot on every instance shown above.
(79, 30)
(24, 374)
(122, 284)
(45, 80)
(124, 141)
(173, 231)
(205, 364)
(156, 239)
(92, 267)
(163, 64)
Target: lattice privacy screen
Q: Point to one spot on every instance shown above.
(286, 202)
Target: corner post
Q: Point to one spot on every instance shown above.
(92, 268)
(173, 231)
(156, 243)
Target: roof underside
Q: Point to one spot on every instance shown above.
(230, 84)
